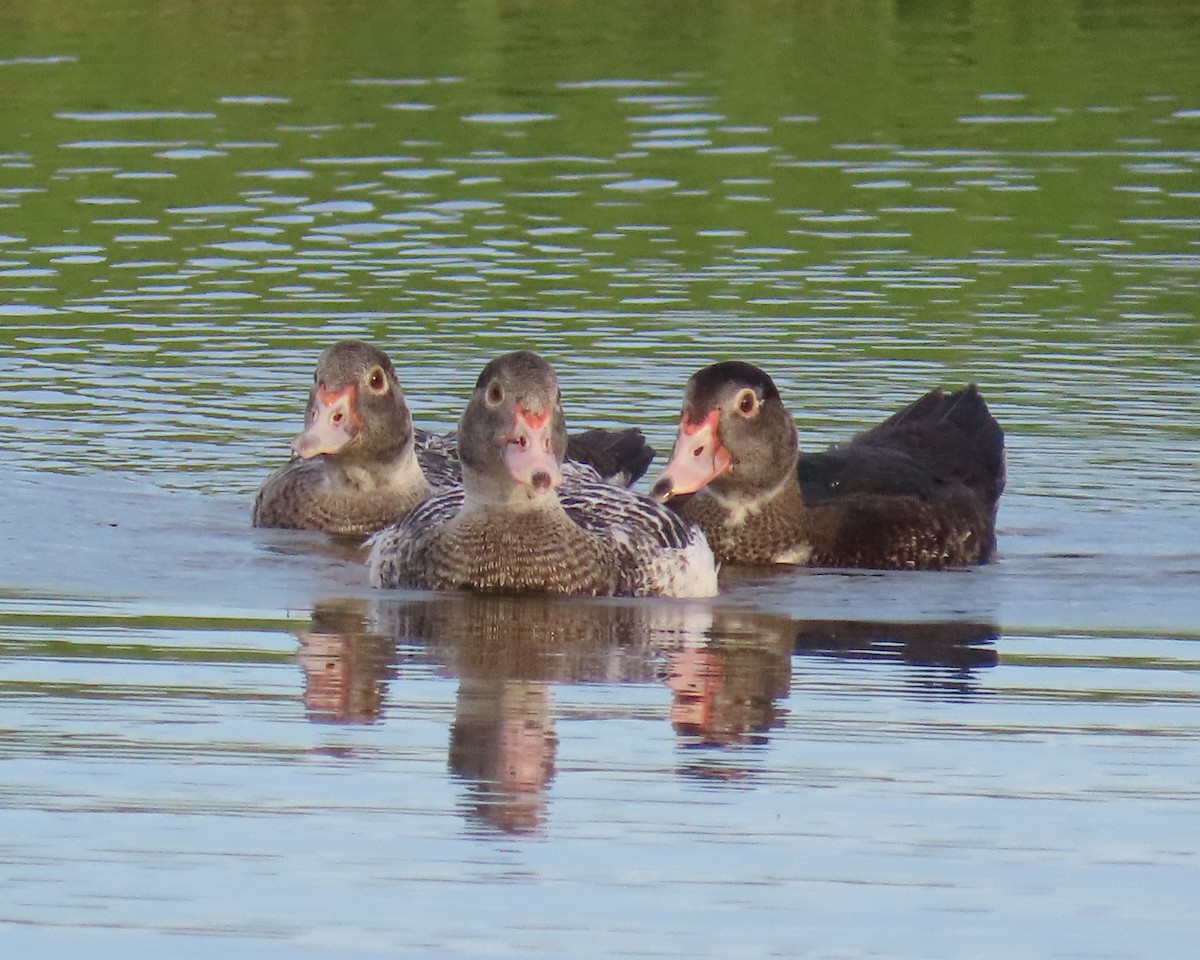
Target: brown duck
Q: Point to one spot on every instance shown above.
(507, 528)
(918, 491)
(360, 465)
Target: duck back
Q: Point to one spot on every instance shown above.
(921, 489)
(940, 441)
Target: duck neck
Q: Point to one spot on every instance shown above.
(483, 492)
(740, 500)
(402, 473)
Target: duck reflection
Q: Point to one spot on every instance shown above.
(947, 655)
(727, 683)
(728, 671)
(503, 650)
(507, 652)
(942, 644)
(502, 743)
(346, 664)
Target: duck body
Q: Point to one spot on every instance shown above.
(595, 540)
(918, 491)
(508, 529)
(336, 499)
(360, 464)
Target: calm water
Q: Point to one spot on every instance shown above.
(217, 741)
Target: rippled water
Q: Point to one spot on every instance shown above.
(218, 739)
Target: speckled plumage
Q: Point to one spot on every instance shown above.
(919, 491)
(593, 539)
(317, 495)
(494, 535)
(868, 530)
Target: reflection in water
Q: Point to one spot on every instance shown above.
(502, 743)
(728, 688)
(728, 671)
(726, 684)
(505, 652)
(345, 664)
(949, 653)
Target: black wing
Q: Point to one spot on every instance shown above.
(941, 440)
(618, 456)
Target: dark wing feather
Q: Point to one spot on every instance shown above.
(618, 456)
(941, 440)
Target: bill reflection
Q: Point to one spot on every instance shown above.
(346, 664)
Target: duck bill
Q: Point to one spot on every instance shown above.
(332, 422)
(696, 459)
(529, 451)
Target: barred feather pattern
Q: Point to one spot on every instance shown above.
(594, 540)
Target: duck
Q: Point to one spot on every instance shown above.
(355, 468)
(360, 464)
(918, 491)
(513, 526)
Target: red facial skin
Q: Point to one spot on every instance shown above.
(697, 458)
(529, 451)
(332, 422)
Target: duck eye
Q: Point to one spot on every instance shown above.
(495, 393)
(377, 381)
(747, 403)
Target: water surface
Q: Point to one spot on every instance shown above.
(220, 740)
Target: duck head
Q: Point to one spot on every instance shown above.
(734, 435)
(513, 436)
(356, 409)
